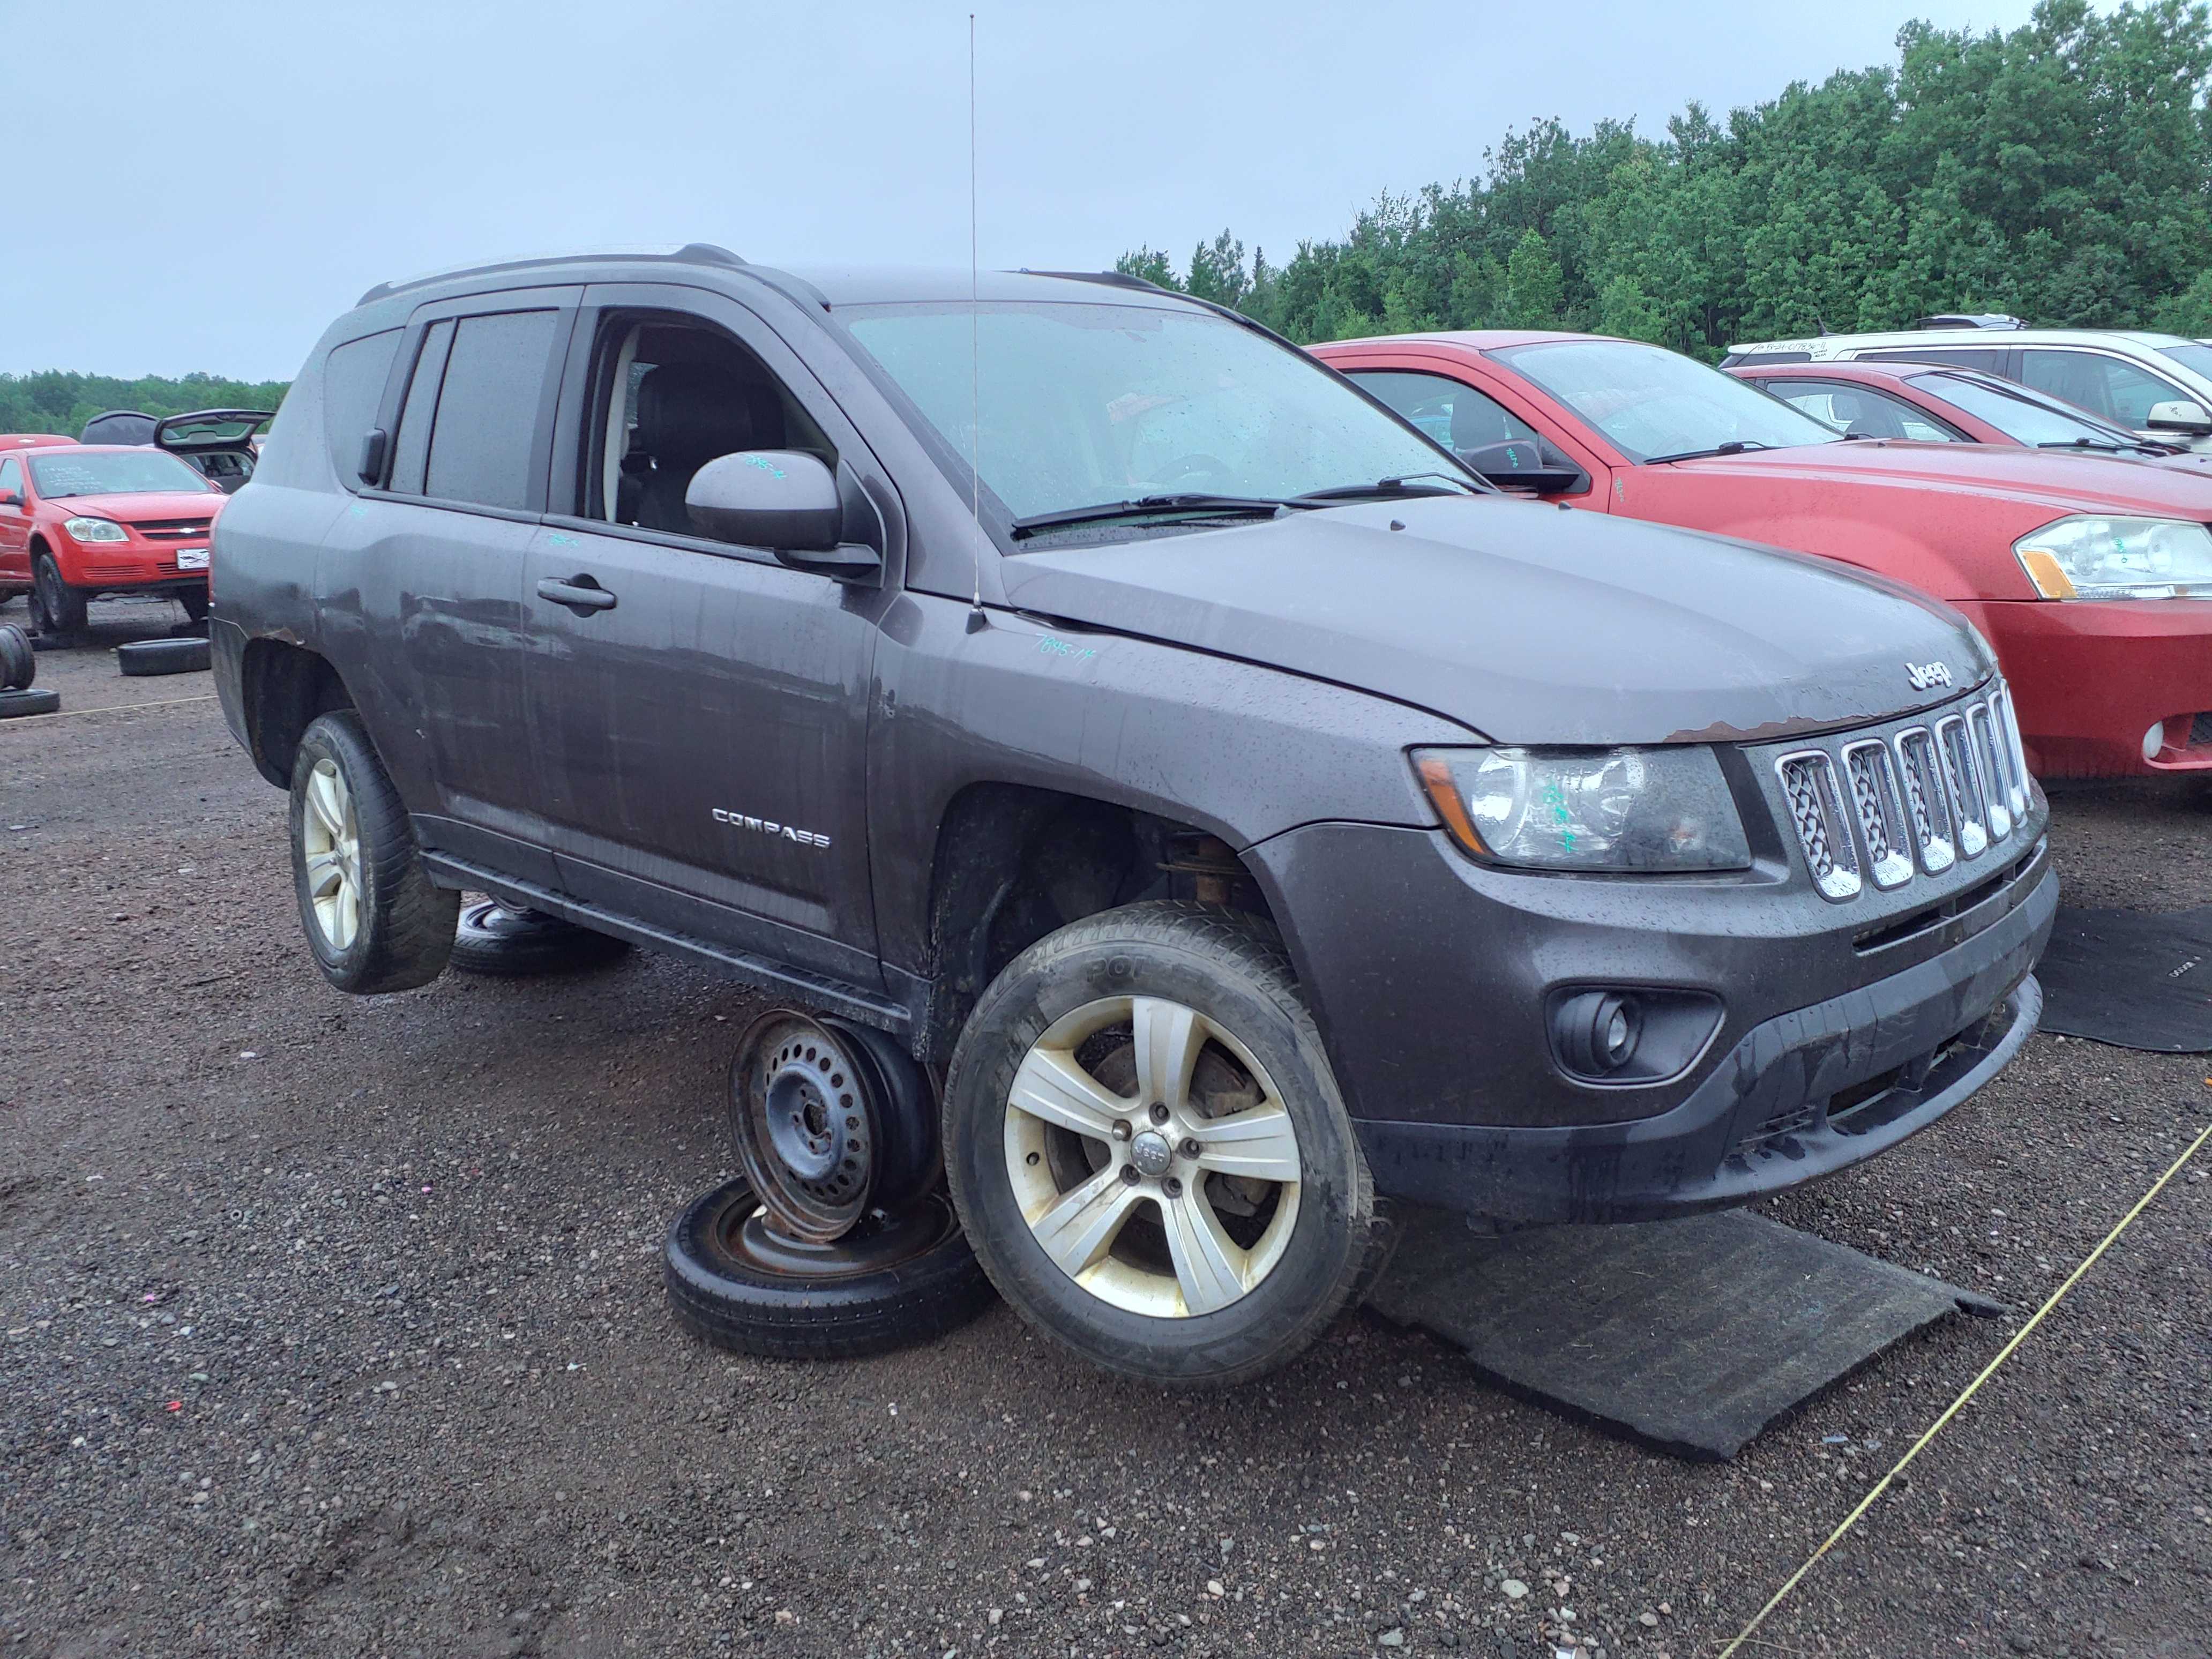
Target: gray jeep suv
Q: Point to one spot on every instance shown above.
(1240, 814)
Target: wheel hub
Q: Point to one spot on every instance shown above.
(1151, 1154)
(805, 1126)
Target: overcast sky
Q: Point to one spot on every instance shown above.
(204, 187)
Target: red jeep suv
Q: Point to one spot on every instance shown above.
(80, 519)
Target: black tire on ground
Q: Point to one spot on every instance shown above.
(144, 656)
(1311, 1262)
(56, 607)
(19, 664)
(912, 1281)
(491, 939)
(349, 831)
(195, 601)
(14, 703)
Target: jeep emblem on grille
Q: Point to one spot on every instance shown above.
(1925, 674)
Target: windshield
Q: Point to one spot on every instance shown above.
(1084, 403)
(2196, 358)
(97, 472)
(2022, 416)
(1655, 403)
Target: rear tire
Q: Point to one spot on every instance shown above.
(912, 1281)
(374, 919)
(56, 607)
(1147, 1149)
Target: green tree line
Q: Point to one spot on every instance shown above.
(2061, 171)
(55, 401)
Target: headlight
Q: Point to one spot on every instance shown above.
(1619, 809)
(95, 530)
(2093, 558)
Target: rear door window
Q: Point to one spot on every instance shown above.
(1991, 359)
(2110, 387)
(354, 376)
(491, 406)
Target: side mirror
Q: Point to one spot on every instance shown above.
(783, 500)
(2182, 415)
(1518, 464)
(373, 447)
(10, 498)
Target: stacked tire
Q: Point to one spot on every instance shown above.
(19, 667)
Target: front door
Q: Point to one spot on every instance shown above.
(15, 524)
(700, 711)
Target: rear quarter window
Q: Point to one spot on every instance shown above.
(354, 377)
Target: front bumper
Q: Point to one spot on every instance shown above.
(1802, 1096)
(2090, 678)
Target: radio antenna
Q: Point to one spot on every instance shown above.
(977, 619)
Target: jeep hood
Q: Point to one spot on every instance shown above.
(1523, 620)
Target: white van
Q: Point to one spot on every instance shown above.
(2158, 386)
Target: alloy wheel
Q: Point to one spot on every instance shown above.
(1153, 1157)
(330, 834)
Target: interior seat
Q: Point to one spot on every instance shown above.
(686, 414)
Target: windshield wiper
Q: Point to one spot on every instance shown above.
(2098, 444)
(1402, 485)
(1148, 506)
(1733, 447)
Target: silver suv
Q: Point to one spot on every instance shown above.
(2158, 386)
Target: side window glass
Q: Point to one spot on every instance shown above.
(1991, 359)
(1862, 410)
(11, 478)
(412, 449)
(353, 387)
(1454, 414)
(673, 393)
(487, 409)
(2108, 386)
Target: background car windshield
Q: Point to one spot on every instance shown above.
(1652, 401)
(2027, 420)
(1085, 403)
(79, 472)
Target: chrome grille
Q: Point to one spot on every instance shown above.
(1981, 730)
(1881, 811)
(1877, 809)
(2007, 727)
(1934, 825)
(1808, 782)
(1965, 785)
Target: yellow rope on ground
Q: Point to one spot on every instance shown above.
(105, 708)
(1951, 1411)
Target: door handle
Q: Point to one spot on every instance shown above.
(581, 594)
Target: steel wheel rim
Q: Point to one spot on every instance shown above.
(1081, 1220)
(330, 843)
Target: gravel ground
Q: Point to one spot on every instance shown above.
(335, 1326)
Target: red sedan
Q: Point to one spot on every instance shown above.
(2093, 581)
(1931, 405)
(80, 519)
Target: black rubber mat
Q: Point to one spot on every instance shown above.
(2133, 978)
(1690, 1335)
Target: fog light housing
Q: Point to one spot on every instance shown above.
(1631, 1033)
(1596, 1032)
(2154, 740)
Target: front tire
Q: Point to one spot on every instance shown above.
(374, 918)
(56, 607)
(1148, 1152)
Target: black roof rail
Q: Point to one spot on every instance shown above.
(1111, 279)
(691, 253)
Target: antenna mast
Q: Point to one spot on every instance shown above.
(977, 618)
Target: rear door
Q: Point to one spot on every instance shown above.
(703, 731)
(421, 579)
